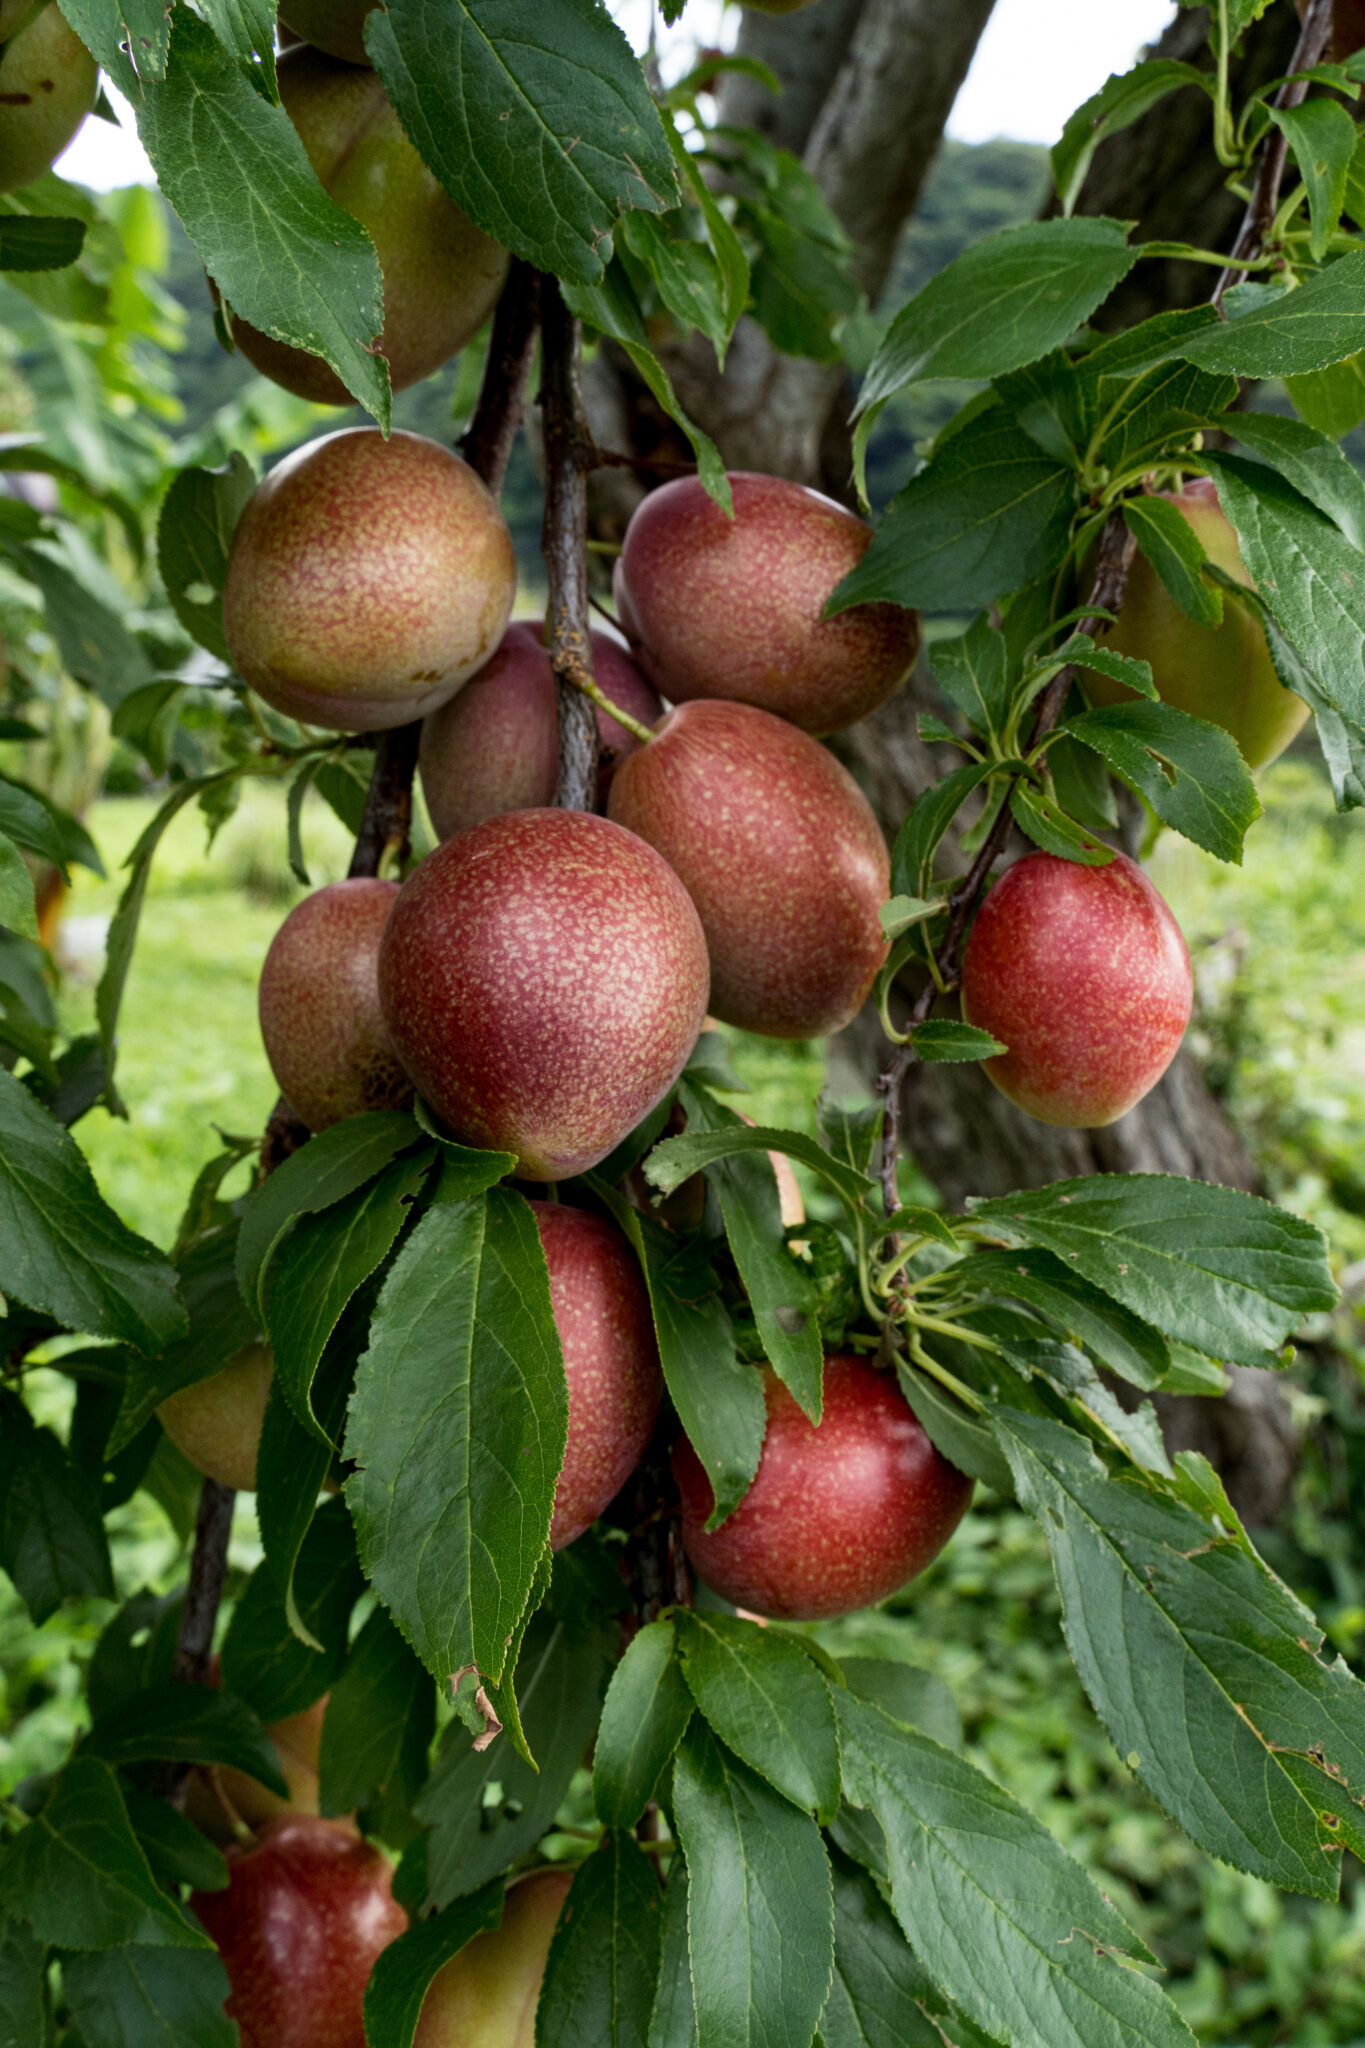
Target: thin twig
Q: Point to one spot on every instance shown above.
(564, 535)
(387, 820)
(1315, 39)
(212, 1527)
(1117, 549)
(487, 442)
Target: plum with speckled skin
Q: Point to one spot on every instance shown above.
(325, 1036)
(544, 978)
(216, 1423)
(486, 1996)
(1222, 673)
(495, 746)
(779, 850)
(306, 1911)
(715, 607)
(441, 274)
(611, 1361)
(368, 580)
(1084, 974)
(47, 87)
(337, 26)
(841, 1512)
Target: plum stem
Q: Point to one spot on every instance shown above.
(1258, 222)
(569, 454)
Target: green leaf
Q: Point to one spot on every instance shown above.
(1175, 551)
(1004, 1922)
(1123, 98)
(1322, 321)
(1190, 772)
(52, 1540)
(543, 133)
(1007, 300)
(1312, 463)
(972, 671)
(647, 1708)
(18, 906)
(801, 286)
(731, 261)
(485, 1810)
(62, 1248)
(292, 1462)
(264, 1662)
(880, 1996)
(673, 2023)
(760, 1910)
(403, 1972)
(928, 819)
(1322, 135)
(1118, 1339)
(34, 821)
(50, 243)
(78, 1875)
(149, 1998)
(598, 1988)
(1341, 739)
(1220, 1270)
(320, 1265)
(247, 29)
(193, 537)
(1133, 674)
(1047, 825)
(178, 1851)
(677, 1159)
(285, 256)
(1332, 400)
(382, 1708)
(219, 1327)
(718, 1397)
(1204, 1668)
(943, 1040)
(457, 1428)
(907, 1694)
(965, 1438)
(24, 2013)
(190, 1724)
(767, 1702)
(94, 643)
(987, 514)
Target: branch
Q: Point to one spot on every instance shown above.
(387, 820)
(1315, 39)
(194, 1640)
(569, 454)
(487, 442)
(1117, 549)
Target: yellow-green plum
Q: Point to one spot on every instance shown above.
(1222, 673)
(47, 87)
(486, 1996)
(217, 1422)
(442, 275)
(221, 1800)
(718, 607)
(325, 1036)
(779, 850)
(544, 978)
(1084, 975)
(495, 746)
(337, 26)
(368, 580)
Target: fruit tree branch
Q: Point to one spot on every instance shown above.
(1117, 549)
(1315, 40)
(487, 442)
(569, 454)
(208, 1566)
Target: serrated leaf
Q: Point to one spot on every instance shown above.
(646, 1711)
(177, 1850)
(219, 1326)
(1332, 400)
(598, 1988)
(1123, 668)
(50, 243)
(760, 1908)
(1004, 1922)
(264, 1662)
(193, 537)
(972, 671)
(964, 1437)
(1043, 821)
(1117, 1338)
(1312, 463)
(767, 1702)
(544, 134)
(673, 2023)
(1322, 135)
(880, 1996)
(1218, 1269)
(247, 29)
(457, 1428)
(1007, 300)
(1341, 739)
(1204, 1668)
(151, 1997)
(192, 1724)
(944, 1040)
(403, 1972)
(1321, 322)
(1190, 771)
(1177, 554)
(906, 1693)
(52, 1540)
(94, 643)
(24, 2011)
(18, 906)
(676, 1159)
(381, 1696)
(1123, 98)
(929, 817)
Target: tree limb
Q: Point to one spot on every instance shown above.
(569, 454)
(1314, 42)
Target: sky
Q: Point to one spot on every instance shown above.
(1037, 61)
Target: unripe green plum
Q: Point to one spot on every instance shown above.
(779, 850)
(731, 608)
(47, 87)
(368, 580)
(1084, 974)
(485, 1997)
(217, 1422)
(337, 26)
(442, 275)
(494, 747)
(325, 1036)
(1222, 673)
(544, 978)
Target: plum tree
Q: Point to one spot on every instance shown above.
(544, 978)
(718, 607)
(781, 854)
(442, 275)
(486, 1996)
(368, 579)
(325, 1035)
(495, 746)
(1223, 673)
(611, 1360)
(840, 1514)
(307, 1909)
(217, 1422)
(47, 87)
(1084, 974)
(337, 26)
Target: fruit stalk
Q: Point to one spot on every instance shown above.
(1315, 39)
(569, 454)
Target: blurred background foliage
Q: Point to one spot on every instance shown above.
(116, 366)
